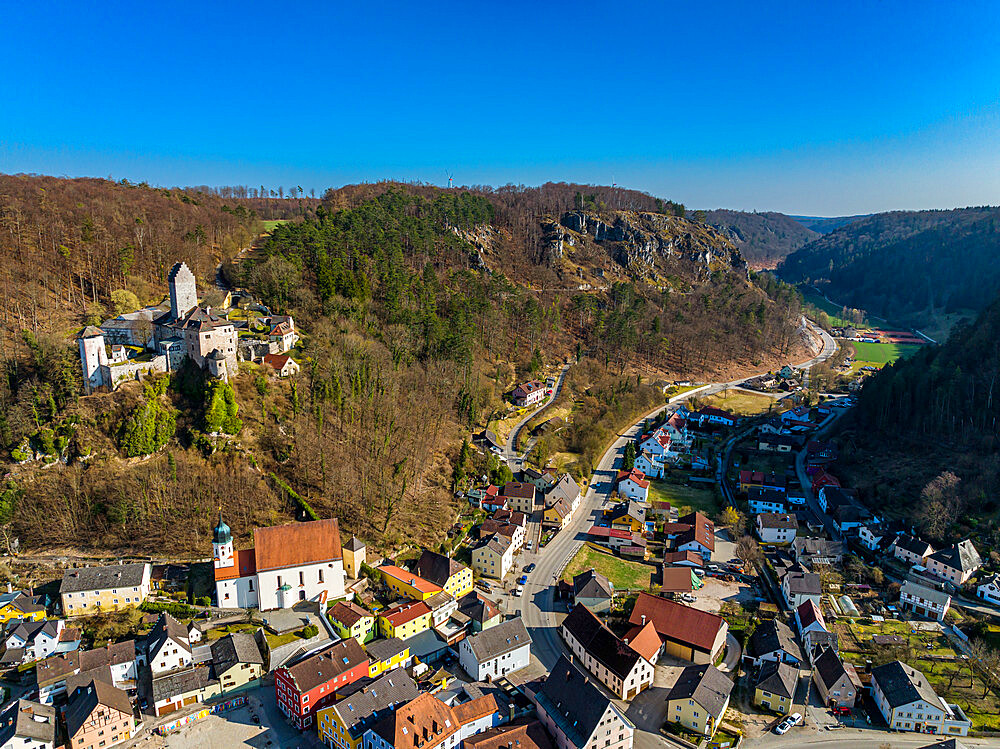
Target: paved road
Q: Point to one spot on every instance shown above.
(510, 453)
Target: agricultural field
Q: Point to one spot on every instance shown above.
(623, 573)
(270, 224)
(741, 402)
(880, 354)
(685, 499)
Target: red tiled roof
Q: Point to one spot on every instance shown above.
(637, 477)
(519, 489)
(277, 361)
(246, 565)
(674, 557)
(677, 579)
(297, 544)
(405, 612)
(605, 532)
(677, 622)
(644, 641)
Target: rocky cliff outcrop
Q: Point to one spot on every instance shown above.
(646, 245)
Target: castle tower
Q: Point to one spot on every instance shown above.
(354, 557)
(93, 356)
(216, 363)
(183, 294)
(222, 545)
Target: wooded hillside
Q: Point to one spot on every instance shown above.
(763, 238)
(906, 265)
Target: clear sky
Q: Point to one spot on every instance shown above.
(818, 108)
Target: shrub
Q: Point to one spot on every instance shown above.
(176, 610)
(148, 428)
(203, 600)
(309, 631)
(303, 505)
(221, 409)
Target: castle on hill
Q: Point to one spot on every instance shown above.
(156, 339)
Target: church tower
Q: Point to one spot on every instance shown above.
(183, 294)
(222, 545)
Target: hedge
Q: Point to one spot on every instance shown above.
(303, 505)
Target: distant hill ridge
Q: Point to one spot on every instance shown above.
(824, 224)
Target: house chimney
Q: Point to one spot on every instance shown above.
(644, 620)
(10, 588)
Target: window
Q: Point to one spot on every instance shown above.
(302, 577)
(321, 575)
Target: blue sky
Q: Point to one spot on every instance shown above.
(801, 107)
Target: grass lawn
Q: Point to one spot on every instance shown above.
(673, 390)
(877, 354)
(217, 634)
(278, 640)
(813, 297)
(740, 402)
(623, 573)
(269, 224)
(685, 499)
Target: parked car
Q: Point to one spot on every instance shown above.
(530, 567)
(841, 710)
(712, 566)
(522, 580)
(794, 719)
(782, 727)
(529, 546)
(689, 597)
(518, 591)
(698, 571)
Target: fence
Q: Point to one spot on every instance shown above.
(187, 720)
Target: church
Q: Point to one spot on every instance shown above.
(288, 564)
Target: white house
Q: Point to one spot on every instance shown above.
(801, 586)
(907, 701)
(773, 640)
(288, 564)
(870, 536)
(713, 415)
(27, 725)
(811, 625)
(989, 589)
(529, 393)
(766, 500)
(910, 549)
(657, 444)
(633, 485)
(677, 429)
(493, 557)
(28, 640)
(924, 601)
(650, 465)
(168, 647)
(956, 564)
(495, 652)
(774, 528)
(618, 664)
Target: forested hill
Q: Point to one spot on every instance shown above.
(906, 265)
(926, 442)
(763, 238)
(827, 224)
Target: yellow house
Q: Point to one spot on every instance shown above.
(407, 584)
(444, 572)
(19, 605)
(350, 620)
(405, 620)
(354, 557)
(558, 514)
(87, 590)
(238, 661)
(386, 655)
(343, 724)
(699, 699)
(775, 688)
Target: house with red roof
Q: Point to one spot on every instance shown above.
(529, 393)
(686, 633)
(283, 364)
(633, 485)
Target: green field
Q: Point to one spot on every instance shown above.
(878, 354)
(813, 297)
(623, 573)
(740, 402)
(685, 499)
(270, 224)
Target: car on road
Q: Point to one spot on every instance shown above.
(712, 566)
(549, 391)
(530, 567)
(736, 561)
(522, 580)
(529, 546)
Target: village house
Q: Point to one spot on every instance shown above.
(343, 724)
(870, 536)
(529, 393)
(989, 589)
(775, 686)
(355, 555)
(168, 647)
(713, 415)
(776, 443)
(812, 626)
(810, 551)
(693, 532)
(797, 587)
(88, 590)
(836, 682)
(407, 584)
(510, 528)
(445, 572)
(27, 724)
(350, 620)
(387, 655)
(237, 661)
(632, 485)
(282, 333)
(923, 600)
(748, 480)
(541, 480)
(531, 735)
(773, 640)
(910, 549)
(631, 515)
(699, 699)
(497, 651)
(830, 498)
(493, 557)
(482, 612)
(908, 702)
(405, 620)
(656, 445)
(428, 722)
(593, 590)
(773, 528)
(28, 640)
(520, 496)
(685, 632)
(956, 564)
(576, 713)
(311, 683)
(287, 564)
(683, 559)
(766, 500)
(174, 690)
(282, 364)
(649, 465)
(115, 661)
(617, 663)
(19, 604)
(99, 715)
